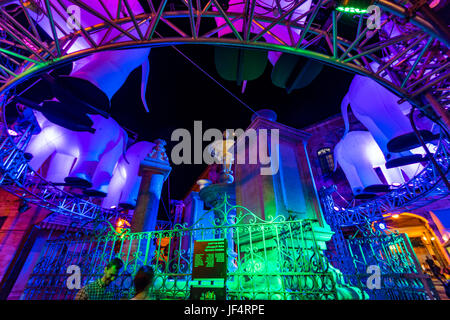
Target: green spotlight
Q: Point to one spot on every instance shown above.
(353, 6)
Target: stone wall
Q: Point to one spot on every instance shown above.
(15, 232)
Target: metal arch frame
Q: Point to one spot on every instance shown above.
(351, 55)
(355, 56)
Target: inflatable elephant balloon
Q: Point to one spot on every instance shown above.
(125, 182)
(96, 78)
(377, 109)
(106, 144)
(358, 155)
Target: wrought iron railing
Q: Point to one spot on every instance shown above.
(276, 259)
(426, 187)
(400, 274)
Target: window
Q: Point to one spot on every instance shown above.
(326, 161)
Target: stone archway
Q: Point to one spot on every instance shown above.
(425, 241)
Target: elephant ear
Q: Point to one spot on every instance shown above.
(335, 162)
(144, 82)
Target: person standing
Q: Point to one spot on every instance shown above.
(101, 289)
(143, 282)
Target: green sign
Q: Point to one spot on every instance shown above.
(210, 259)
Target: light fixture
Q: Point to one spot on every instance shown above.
(12, 133)
(395, 216)
(382, 226)
(353, 6)
(23, 206)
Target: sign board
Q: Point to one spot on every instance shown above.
(210, 259)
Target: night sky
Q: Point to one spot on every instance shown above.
(178, 94)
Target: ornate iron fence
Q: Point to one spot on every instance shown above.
(276, 259)
(401, 277)
(368, 250)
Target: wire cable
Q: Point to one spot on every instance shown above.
(211, 77)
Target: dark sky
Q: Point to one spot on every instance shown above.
(178, 94)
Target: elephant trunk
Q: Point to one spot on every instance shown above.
(144, 82)
(335, 163)
(344, 108)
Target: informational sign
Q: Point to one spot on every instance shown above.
(210, 259)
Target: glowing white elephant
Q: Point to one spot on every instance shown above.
(124, 186)
(377, 109)
(109, 70)
(358, 155)
(64, 146)
(105, 70)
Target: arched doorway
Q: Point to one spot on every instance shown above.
(425, 242)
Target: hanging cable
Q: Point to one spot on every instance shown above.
(211, 77)
(167, 214)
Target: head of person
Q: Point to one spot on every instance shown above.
(143, 279)
(112, 270)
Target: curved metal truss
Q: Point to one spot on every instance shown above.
(410, 59)
(423, 189)
(410, 64)
(17, 177)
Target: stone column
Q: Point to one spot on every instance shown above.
(178, 211)
(282, 187)
(193, 208)
(289, 189)
(154, 171)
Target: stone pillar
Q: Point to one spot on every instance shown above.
(177, 211)
(289, 189)
(154, 171)
(193, 208)
(282, 187)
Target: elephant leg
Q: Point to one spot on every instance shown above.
(367, 174)
(83, 171)
(40, 147)
(412, 170)
(130, 192)
(103, 173)
(116, 185)
(352, 176)
(59, 167)
(376, 132)
(393, 175)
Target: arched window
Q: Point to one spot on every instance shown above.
(326, 161)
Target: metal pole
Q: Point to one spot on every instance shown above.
(443, 114)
